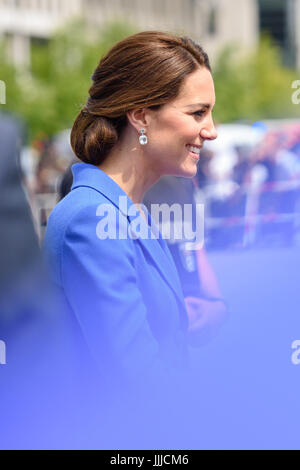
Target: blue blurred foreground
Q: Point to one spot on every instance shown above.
(243, 392)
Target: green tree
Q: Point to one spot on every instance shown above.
(255, 87)
(50, 95)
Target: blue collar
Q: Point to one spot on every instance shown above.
(85, 174)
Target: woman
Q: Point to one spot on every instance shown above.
(148, 114)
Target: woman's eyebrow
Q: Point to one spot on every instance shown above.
(202, 105)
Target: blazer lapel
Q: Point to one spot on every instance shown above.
(156, 248)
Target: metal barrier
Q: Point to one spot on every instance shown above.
(269, 205)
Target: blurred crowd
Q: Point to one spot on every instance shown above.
(248, 179)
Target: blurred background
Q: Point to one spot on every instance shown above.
(248, 179)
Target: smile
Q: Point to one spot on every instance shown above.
(193, 149)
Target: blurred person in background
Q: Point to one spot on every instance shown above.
(65, 183)
(22, 293)
(204, 174)
(54, 158)
(274, 174)
(241, 172)
(19, 246)
(277, 155)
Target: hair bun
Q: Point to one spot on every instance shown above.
(92, 137)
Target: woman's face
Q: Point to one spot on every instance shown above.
(177, 131)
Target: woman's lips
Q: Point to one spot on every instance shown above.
(194, 150)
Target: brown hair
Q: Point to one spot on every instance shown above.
(143, 70)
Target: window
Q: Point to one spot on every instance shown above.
(212, 21)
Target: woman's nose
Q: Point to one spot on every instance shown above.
(209, 132)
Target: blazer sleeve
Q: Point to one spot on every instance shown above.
(99, 280)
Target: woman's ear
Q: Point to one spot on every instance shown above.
(138, 118)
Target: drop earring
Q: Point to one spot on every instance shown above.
(143, 138)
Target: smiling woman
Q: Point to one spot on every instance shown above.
(178, 129)
(123, 293)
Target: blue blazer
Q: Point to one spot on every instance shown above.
(123, 293)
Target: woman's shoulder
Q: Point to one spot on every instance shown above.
(82, 199)
(74, 212)
(82, 214)
(77, 224)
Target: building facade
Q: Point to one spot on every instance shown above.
(24, 20)
(213, 23)
(281, 20)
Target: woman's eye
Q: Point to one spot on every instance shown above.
(199, 113)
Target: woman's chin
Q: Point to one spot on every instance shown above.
(189, 171)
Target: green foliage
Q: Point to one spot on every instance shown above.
(254, 87)
(51, 94)
(8, 74)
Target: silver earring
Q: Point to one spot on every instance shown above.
(143, 138)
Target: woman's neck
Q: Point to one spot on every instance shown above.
(128, 168)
